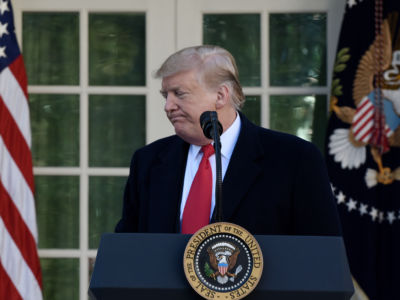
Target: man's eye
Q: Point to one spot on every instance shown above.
(179, 94)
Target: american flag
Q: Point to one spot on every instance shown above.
(20, 274)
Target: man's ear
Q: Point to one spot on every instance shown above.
(222, 96)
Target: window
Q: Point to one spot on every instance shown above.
(282, 49)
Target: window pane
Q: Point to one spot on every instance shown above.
(252, 109)
(117, 49)
(57, 200)
(304, 116)
(116, 129)
(60, 278)
(51, 49)
(240, 35)
(55, 129)
(297, 49)
(105, 206)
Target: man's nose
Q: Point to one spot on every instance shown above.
(169, 103)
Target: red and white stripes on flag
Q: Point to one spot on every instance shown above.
(18, 233)
(363, 121)
(20, 274)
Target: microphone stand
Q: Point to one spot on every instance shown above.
(218, 180)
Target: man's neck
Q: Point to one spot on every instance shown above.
(227, 118)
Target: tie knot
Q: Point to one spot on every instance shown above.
(208, 150)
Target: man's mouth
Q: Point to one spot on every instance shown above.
(174, 119)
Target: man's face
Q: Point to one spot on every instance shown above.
(185, 100)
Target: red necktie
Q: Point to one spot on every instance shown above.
(198, 204)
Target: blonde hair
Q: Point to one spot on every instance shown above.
(215, 66)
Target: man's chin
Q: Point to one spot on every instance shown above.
(198, 140)
(184, 136)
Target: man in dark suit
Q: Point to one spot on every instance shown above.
(273, 183)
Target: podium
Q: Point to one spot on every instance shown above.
(150, 266)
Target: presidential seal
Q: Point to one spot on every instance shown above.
(223, 261)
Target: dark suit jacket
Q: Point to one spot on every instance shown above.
(275, 184)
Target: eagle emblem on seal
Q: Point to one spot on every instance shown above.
(223, 257)
(223, 261)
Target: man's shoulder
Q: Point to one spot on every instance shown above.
(270, 137)
(156, 150)
(282, 138)
(161, 145)
(278, 144)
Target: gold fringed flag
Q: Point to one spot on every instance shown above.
(363, 143)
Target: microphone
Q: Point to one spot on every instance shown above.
(209, 121)
(212, 129)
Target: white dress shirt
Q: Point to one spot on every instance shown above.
(228, 142)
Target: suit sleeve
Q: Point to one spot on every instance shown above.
(130, 210)
(314, 205)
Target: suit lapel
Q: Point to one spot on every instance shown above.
(243, 168)
(166, 186)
